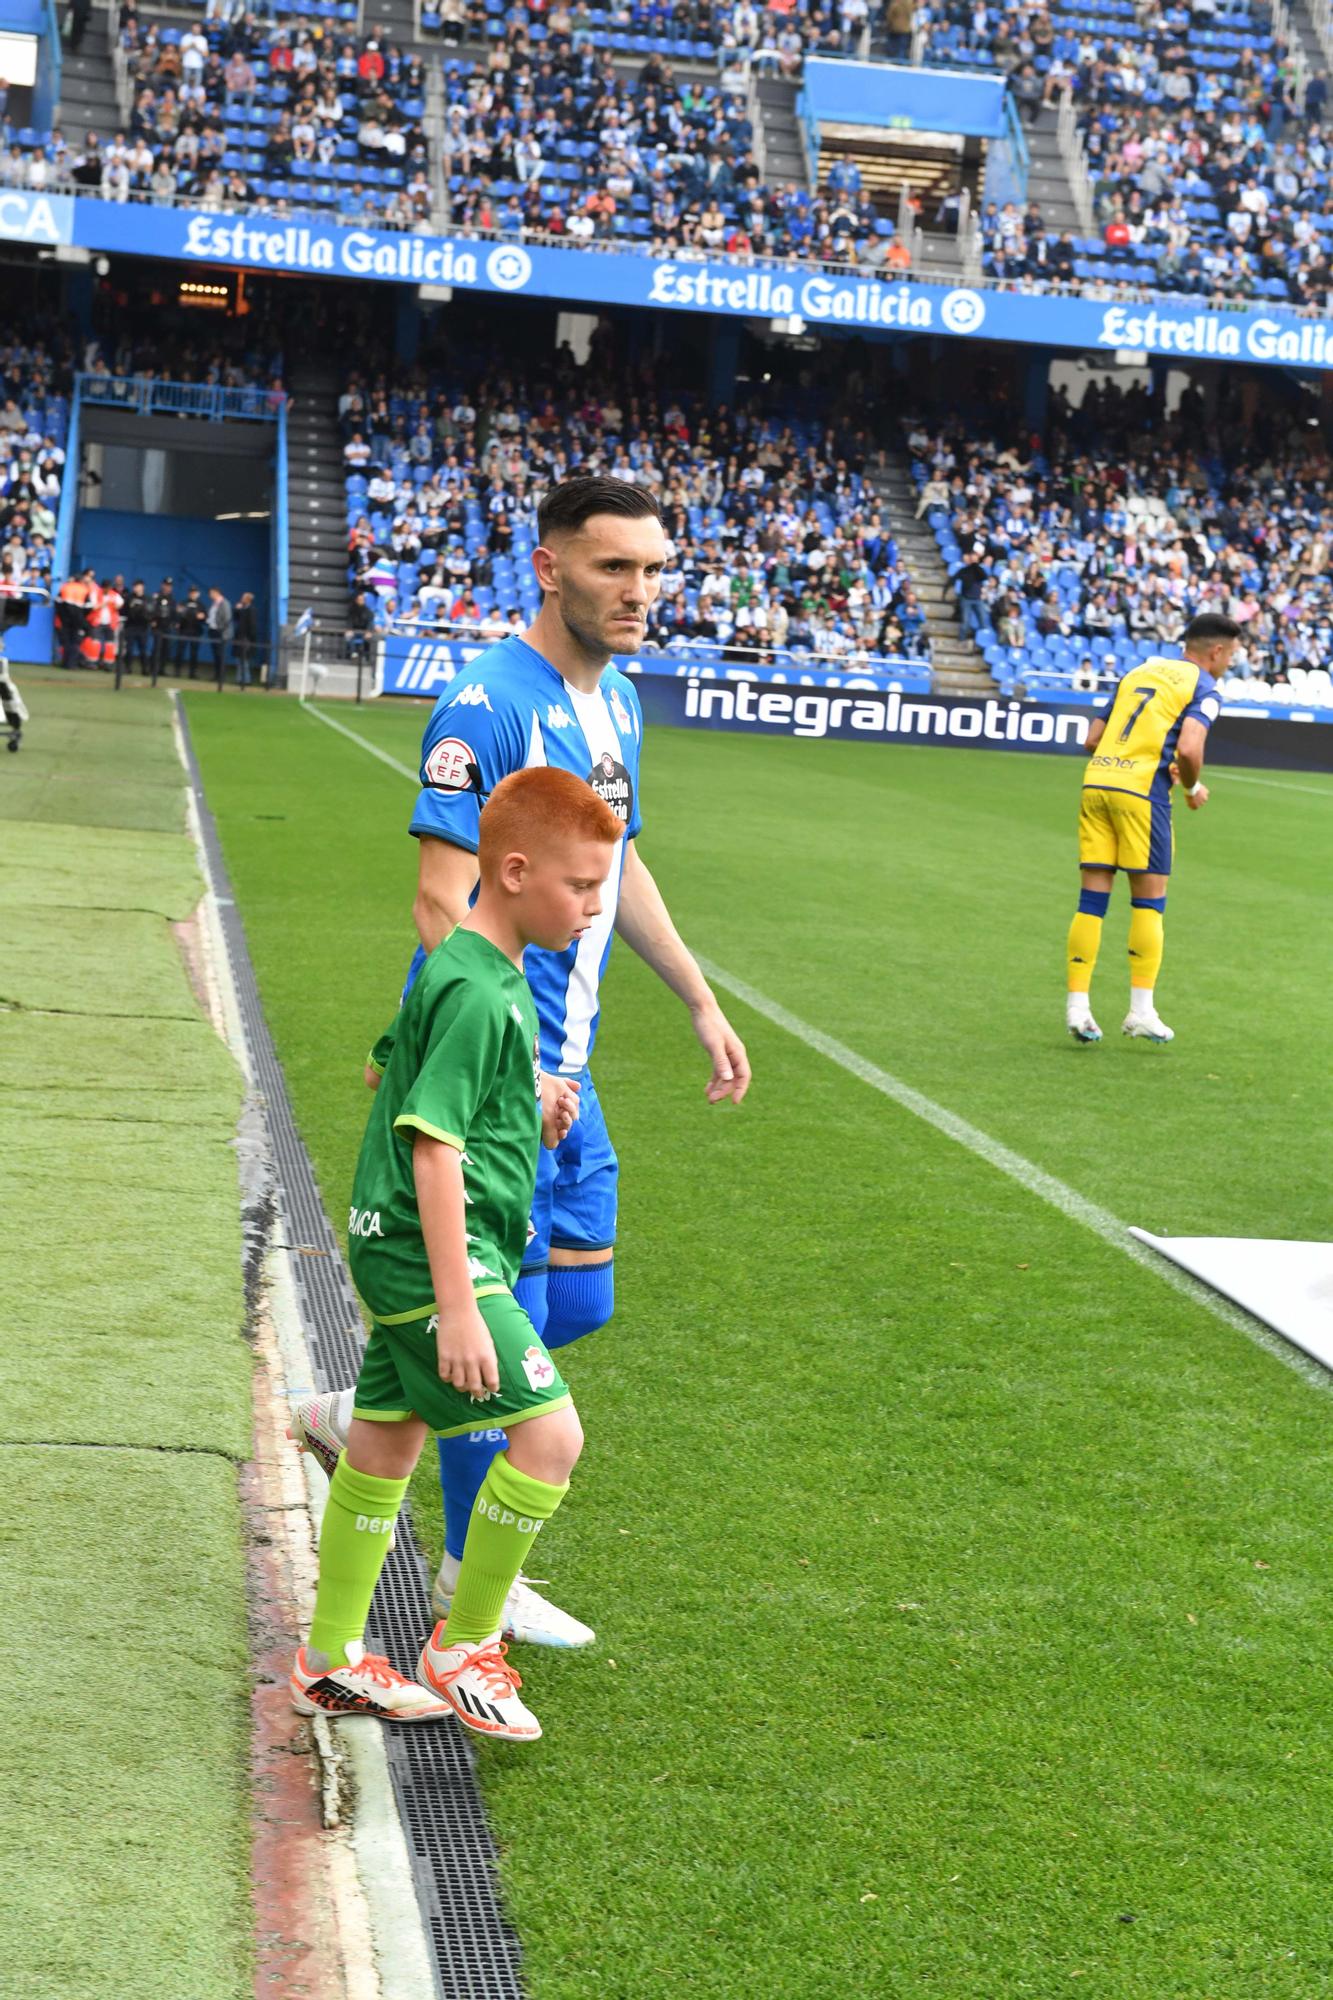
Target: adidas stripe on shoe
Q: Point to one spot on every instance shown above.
(480, 1687)
(367, 1685)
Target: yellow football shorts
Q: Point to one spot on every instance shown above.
(1122, 830)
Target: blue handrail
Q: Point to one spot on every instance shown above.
(146, 396)
(281, 590)
(62, 553)
(46, 94)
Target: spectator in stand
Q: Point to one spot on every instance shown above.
(245, 635)
(218, 623)
(360, 624)
(191, 617)
(137, 620)
(163, 622)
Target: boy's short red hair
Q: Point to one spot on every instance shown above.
(530, 811)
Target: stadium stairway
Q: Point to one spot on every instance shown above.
(316, 500)
(783, 155)
(1301, 16)
(1048, 182)
(88, 88)
(956, 665)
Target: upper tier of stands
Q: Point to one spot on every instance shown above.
(292, 119)
(776, 38)
(581, 151)
(777, 543)
(1100, 542)
(1209, 165)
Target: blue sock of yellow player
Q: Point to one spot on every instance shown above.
(1085, 937)
(465, 1461)
(580, 1298)
(1146, 928)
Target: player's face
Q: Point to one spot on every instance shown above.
(606, 576)
(561, 892)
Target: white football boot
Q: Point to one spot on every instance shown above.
(529, 1618)
(367, 1685)
(320, 1425)
(480, 1687)
(1078, 1018)
(1149, 1027)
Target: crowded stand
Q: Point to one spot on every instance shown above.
(287, 119)
(774, 38)
(1208, 161)
(1079, 554)
(35, 385)
(575, 150)
(779, 548)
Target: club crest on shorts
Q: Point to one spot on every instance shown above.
(538, 1367)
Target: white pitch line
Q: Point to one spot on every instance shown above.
(1224, 774)
(364, 741)
(1045, 1186)
(1036, 1181)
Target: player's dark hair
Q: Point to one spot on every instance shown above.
(1210, 625)
(574, 501)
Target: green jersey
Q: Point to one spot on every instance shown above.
(461, 1064)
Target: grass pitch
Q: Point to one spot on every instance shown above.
(961, 1588)
(125, 1832)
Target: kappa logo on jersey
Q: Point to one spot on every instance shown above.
(611, 781)
(364, 1222)
(622, 715)
(451, 766)
(536, 1064)
(539, 1368)
(558, 717)
(476, 1269)
(473, 696)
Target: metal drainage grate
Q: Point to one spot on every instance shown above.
(433, 1770)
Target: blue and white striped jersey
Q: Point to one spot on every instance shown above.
(508, 711)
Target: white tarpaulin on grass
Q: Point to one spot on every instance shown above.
(1289, 1286)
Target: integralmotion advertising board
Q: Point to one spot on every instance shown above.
(866, 716)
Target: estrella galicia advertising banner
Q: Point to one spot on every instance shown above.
(1272, 336)
(423, 666)
(983, 722)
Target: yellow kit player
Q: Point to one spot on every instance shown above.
(1152, 738)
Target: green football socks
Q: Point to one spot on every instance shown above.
(353, 1542)
(509, 1513)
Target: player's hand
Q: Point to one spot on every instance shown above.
(560, 1107)
(465, 1352)
(372, 1076)
(1173, 774)
(1196, 799)
(731, 1065)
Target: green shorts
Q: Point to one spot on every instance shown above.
(400, 1374)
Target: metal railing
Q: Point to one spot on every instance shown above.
(789, 659)
(280, 589)
(1284, 30)
(147, 396)
(1070, 141)
(63, 549)
(1321, 14)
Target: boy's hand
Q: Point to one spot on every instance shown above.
(465, 1352)
(560, 1107)
(372, 1077)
